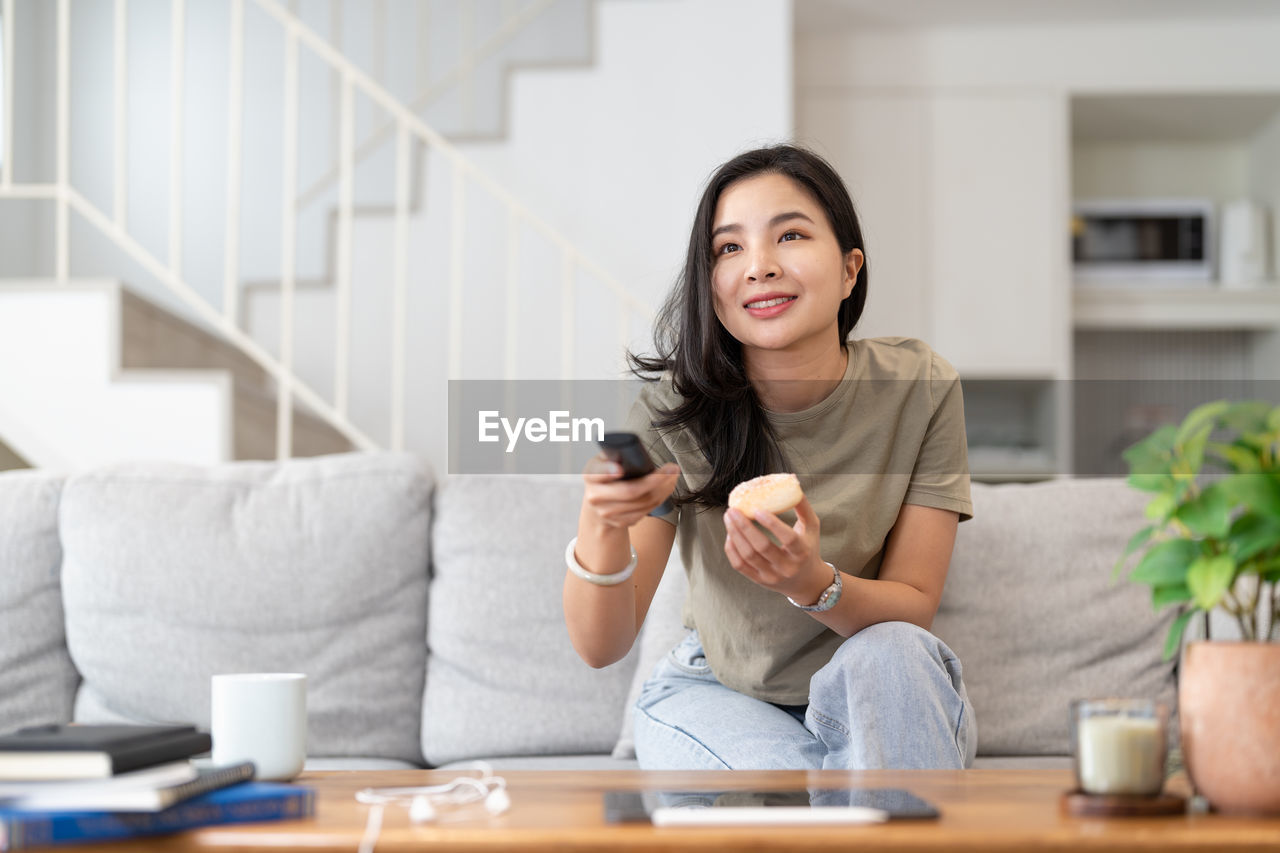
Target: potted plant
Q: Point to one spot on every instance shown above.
(1214, 543)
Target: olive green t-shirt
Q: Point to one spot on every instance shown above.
(892, 432)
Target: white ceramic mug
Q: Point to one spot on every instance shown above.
(261, 717)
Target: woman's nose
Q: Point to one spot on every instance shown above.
(763, 265)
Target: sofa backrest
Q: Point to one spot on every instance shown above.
(173, 573)
(502, 677)
(1032, 612)
(37, 678)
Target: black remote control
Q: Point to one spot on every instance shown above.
(625, 449)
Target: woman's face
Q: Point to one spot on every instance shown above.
(778, 274)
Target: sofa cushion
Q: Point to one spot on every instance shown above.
(174, 573)
(37, 678)
(502, 677)
(1031, 610)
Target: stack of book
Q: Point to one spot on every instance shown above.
(64, 784)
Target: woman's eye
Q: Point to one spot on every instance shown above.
(792, 235)
(727, 248)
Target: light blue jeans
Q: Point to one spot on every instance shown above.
(891, 697)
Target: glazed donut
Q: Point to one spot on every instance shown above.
(773, 493)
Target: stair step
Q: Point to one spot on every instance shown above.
(140, 348)
(10, 460)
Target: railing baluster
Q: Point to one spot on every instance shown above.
(422, 56)
(380, 63)
(177, 23)
(235, 146)
(284, 407)
(342, 294)
(6, 168)
(467, 43)
(513, 294)
(457, 247)
(62, 238)
(567, 305)
(120, 197)
(400, 300)
(336, 76)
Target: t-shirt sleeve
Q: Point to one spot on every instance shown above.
(640, 422)
(940, 478)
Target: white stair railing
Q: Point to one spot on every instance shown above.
(467, 181)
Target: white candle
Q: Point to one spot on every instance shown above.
(1120, 754)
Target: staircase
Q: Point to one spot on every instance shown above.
(200, 365)
(189, 178)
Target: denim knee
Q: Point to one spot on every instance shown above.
(886, 654)
(900, 676)
(877, 644)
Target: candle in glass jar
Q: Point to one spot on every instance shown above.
(1120, 754)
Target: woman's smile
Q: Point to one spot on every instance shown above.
(770, 304)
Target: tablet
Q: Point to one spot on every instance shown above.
(818, 807)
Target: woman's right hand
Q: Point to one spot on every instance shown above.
(615, 503)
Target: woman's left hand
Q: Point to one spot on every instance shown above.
(793, 566)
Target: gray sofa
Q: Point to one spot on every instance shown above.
(428, 619)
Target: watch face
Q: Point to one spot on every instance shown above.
(827, 600)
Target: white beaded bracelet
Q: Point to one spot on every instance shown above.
(591, 577)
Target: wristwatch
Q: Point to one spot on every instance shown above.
(829, 596)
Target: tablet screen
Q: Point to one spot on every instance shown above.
(855, 803)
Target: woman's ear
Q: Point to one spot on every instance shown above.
(852, 266)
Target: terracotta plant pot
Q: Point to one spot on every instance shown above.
(1229, 706)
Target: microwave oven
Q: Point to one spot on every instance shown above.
(1169, 240)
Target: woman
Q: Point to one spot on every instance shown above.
(808, 643)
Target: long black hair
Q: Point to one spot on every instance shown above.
(719, 406)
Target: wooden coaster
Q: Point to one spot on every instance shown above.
(1080, 804)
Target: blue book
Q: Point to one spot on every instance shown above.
(244, 803)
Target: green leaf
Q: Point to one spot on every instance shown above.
(1209, 578)
(1135, 542)
(1273, 419)
(1166, 564)
(1151, 482)
(1270, 571)
(1154, 454)
(1259, 492)
(1202, 418)
(1162, 596)
(1174, 639)
(1161, 507)
(1208, 513)
(1192, 450)
(1247, 416)
(1239, 457)
(1252, 534)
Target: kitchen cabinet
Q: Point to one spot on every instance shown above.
(997, 166)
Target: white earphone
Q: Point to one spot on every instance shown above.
(423, 803)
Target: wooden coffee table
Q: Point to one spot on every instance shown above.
(563, 810)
